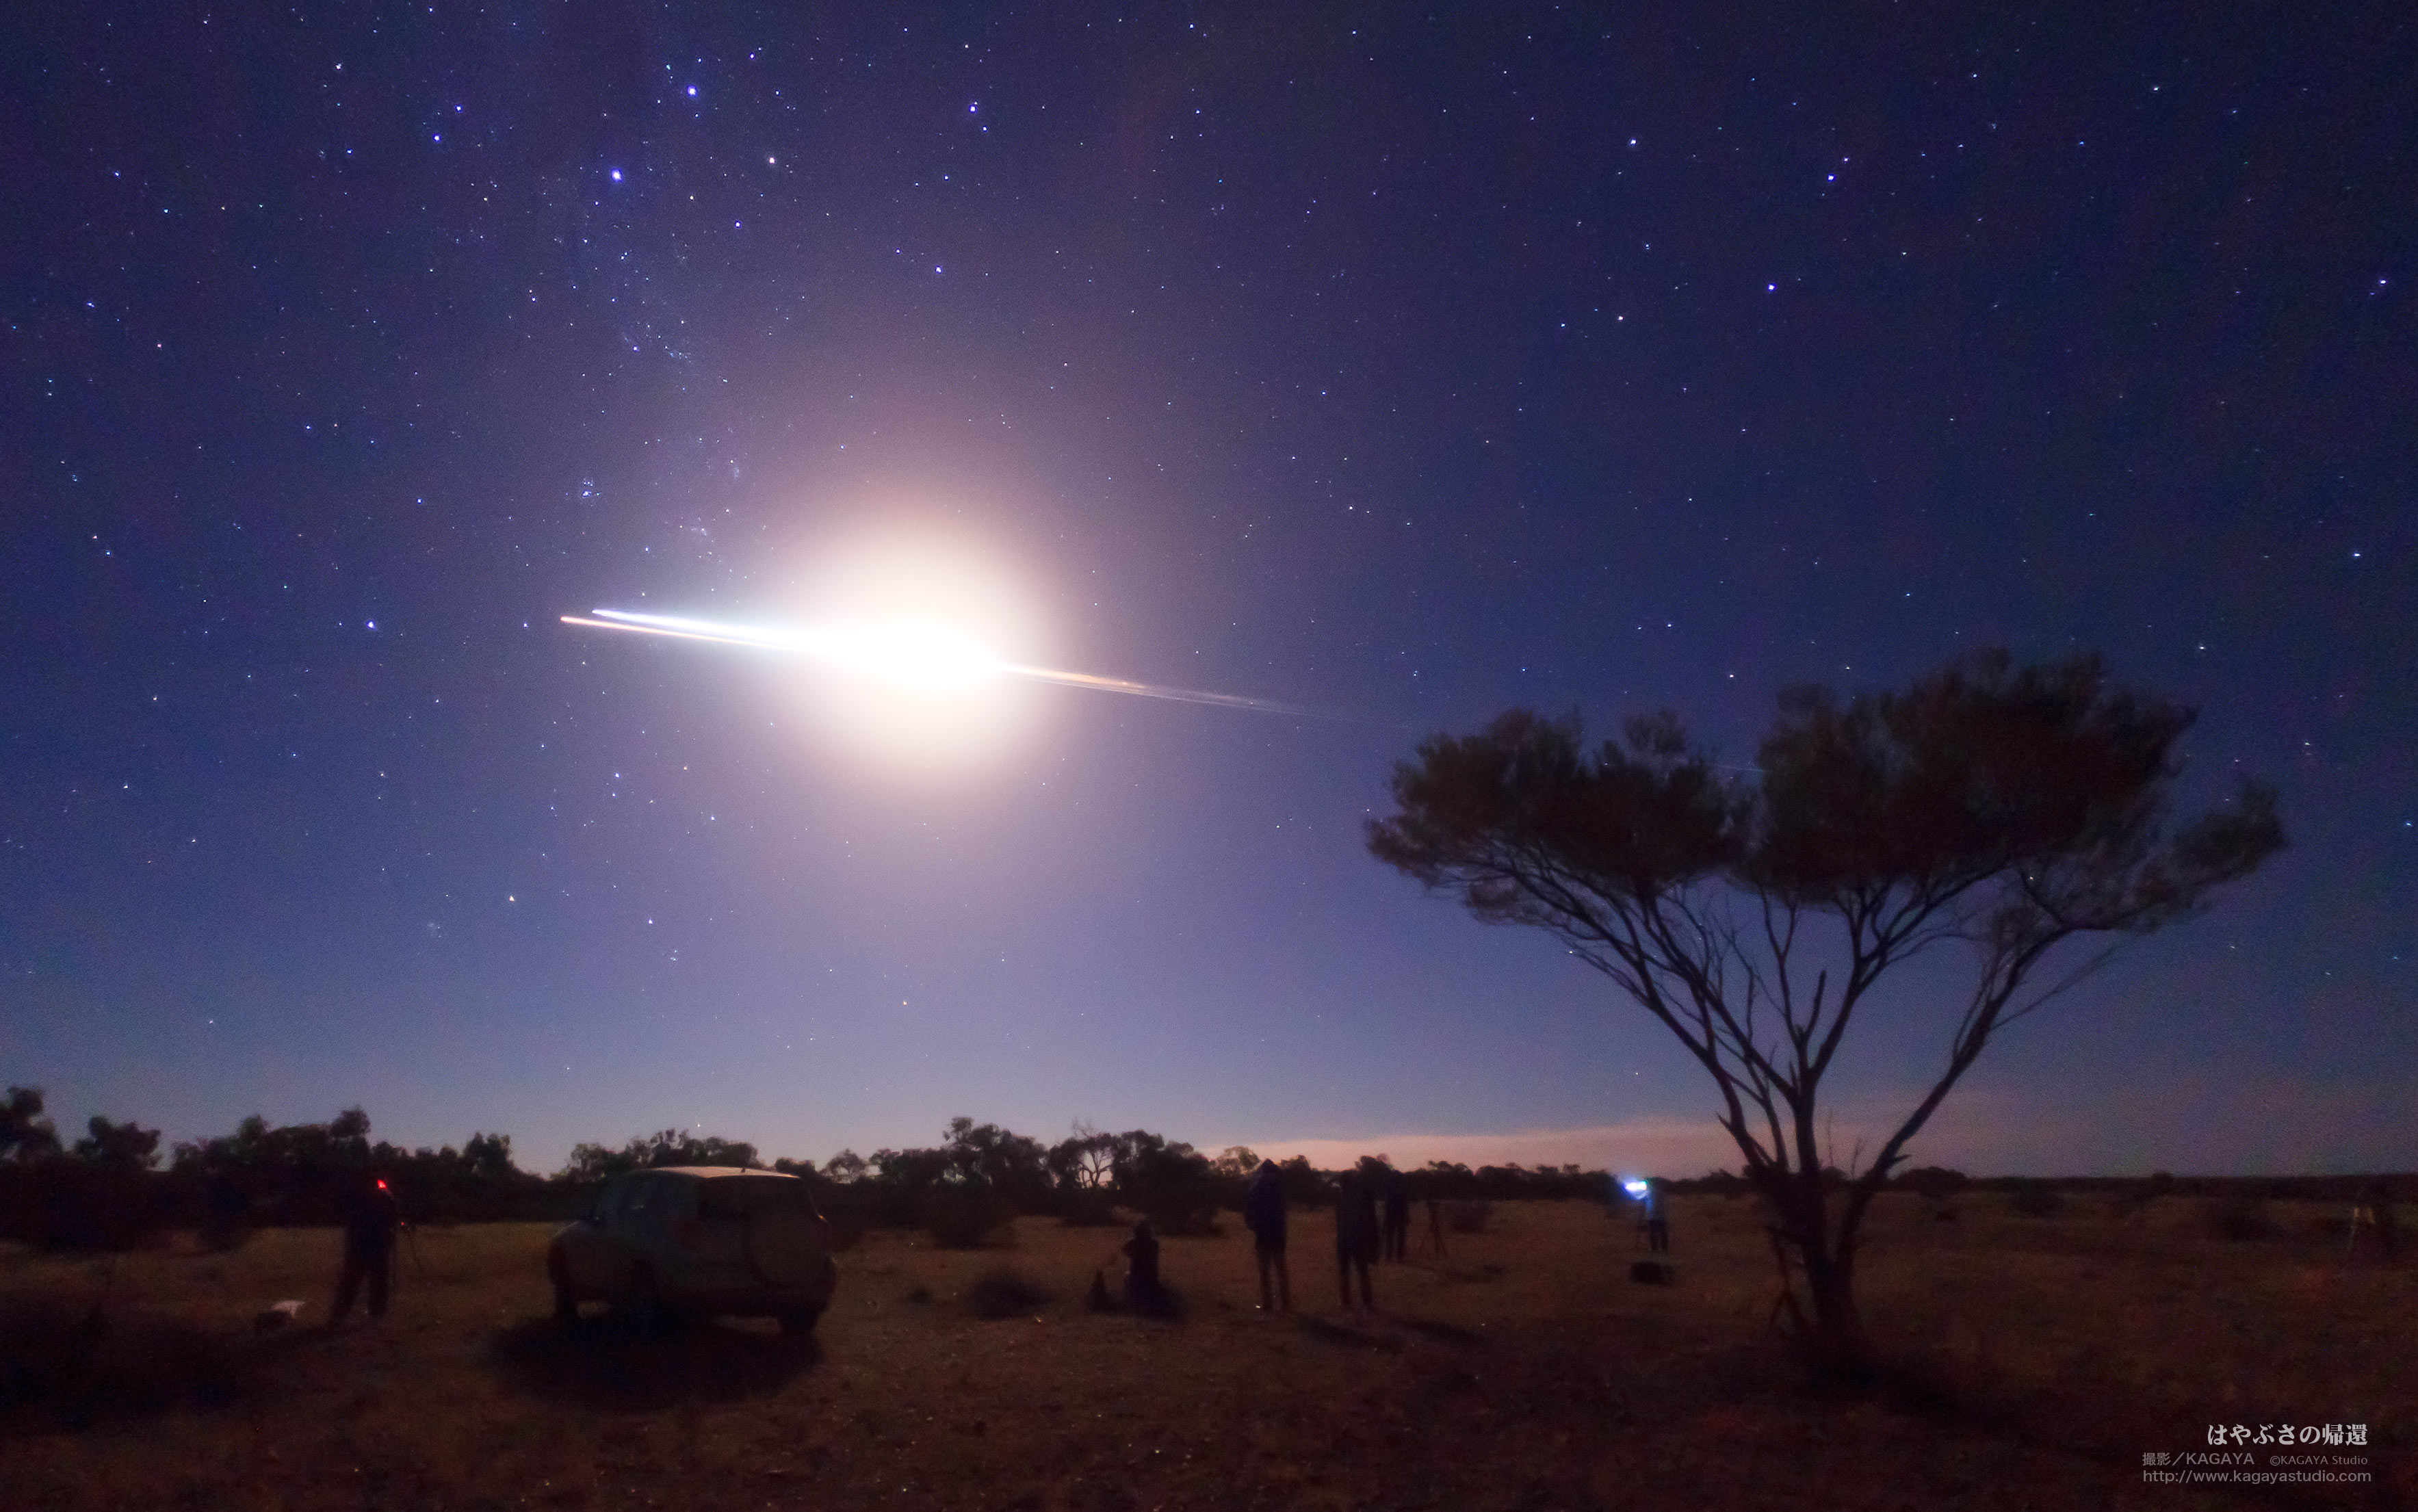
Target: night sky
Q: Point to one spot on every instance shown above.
(1400, 367)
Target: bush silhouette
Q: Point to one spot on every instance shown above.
(1003, 1291)
(1469, 1217)
(2036, 1199)
(964, 1219)
(1086, 1208)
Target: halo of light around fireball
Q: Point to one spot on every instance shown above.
(916, 623)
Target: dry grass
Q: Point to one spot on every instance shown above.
(2045, 1355)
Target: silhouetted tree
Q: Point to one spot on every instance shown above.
(1169, 1181)
(1087, 1159)
(489, 1158)
(1009, 1164)
(349, 1135)
(291, 1174)
(1305, 1185)
(125, 1146)
(1447, 1178)
(1234, 1162)
(916, 1171)
(2010, 810)
(670, 1147)
(24, 1133)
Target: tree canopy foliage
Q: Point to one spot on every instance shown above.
(25, 1135)
(667, 1147)
(106, 1189)
(2007, 810)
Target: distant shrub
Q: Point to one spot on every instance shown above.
(2036, 1199)
(1180, 1219)
(1722, 1184)
(1003, 1291)
(2242, 1219)
(1931, 1183)
(1473, 1217)
(1087, 1207)
(64, 1203)
(964, 1219)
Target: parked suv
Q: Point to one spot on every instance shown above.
(697, 1239)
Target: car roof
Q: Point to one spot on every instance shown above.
(708, 1172)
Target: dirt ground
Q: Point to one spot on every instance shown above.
(2044, 1358)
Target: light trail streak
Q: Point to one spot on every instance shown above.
(918, 655)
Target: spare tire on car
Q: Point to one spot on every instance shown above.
(785, 1246)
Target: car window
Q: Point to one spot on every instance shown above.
(672, 1198)
(735, 1196)
(729, 1199)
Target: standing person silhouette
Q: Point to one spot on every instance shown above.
(371, 1216)
(1398, 1217)
(1263, 1214)
(1356, 1235)
(1143, 1293)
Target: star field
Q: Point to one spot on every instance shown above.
(1403, 367)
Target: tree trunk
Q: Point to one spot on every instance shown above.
(1833, 1333)
(1836, 1345)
